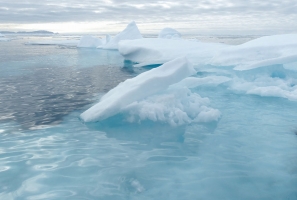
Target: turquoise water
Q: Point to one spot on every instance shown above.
(46, 152)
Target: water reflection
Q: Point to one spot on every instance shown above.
(48, 94)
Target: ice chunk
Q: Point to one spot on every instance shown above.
(143, 85)
(268, 86)
(150, 51)
(89, 42)
(169, 33)
(264, 51)
(131, 32)
(175, 106)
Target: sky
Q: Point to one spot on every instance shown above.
(218, 17)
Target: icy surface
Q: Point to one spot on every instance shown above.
(131, 32)
(88, 41)
(261, 52)
(1, 35)
(138, 88)
(150, 51)
(169, 33)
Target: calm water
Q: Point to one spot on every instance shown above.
(46, 152)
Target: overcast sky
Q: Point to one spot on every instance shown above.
(200, 17)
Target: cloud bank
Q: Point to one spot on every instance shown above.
(189, 15)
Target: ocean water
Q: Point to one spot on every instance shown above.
(47, 152)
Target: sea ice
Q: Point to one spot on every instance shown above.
(1, 35)
(131, 32)
(261, 52)
(175, 106)
(169, 33)
(88, 41)
(138, 88)
(150, 51)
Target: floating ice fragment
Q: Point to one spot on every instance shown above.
(169, 33)
(131, 32)
(143, 85)
(89, 42)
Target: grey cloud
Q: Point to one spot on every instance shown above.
(63, 11)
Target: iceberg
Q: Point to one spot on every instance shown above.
(151, 51)
(261, 52)
(138, 88)
(88, 41)
(169, 33)
(131, 32)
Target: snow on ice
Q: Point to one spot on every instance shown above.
(138, 88)
(131, 32)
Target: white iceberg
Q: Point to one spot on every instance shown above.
(169, 33)
(88, 41)
(138, 88)
(131, 32)
(264, 51)
(150, 51)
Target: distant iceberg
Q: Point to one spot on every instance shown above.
(88, 41)
(169, 33)
(138, 88)
(131, 32)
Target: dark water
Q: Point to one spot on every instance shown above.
(39, 85)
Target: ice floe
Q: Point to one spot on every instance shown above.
(169, 33)
(261, 52)
(131, 32)
(88, 41)
(144, 85)
(150, 51)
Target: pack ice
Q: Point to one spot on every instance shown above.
(138, 88)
